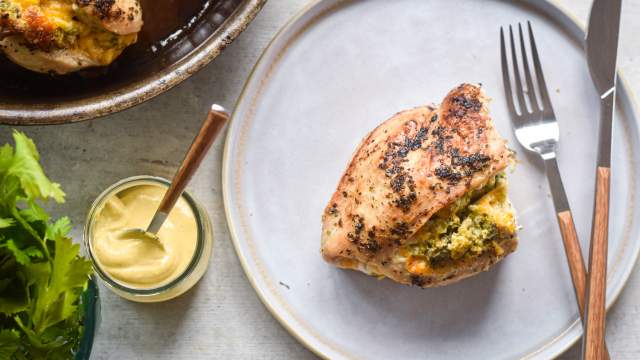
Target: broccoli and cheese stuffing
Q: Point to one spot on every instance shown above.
(470, 227)
(61, 36)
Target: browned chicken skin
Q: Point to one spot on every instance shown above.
(118, 16)
(408, 168)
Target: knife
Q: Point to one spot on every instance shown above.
(602, 49)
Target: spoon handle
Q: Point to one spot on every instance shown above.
(213, 124)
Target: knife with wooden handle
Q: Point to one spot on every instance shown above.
(602, 49)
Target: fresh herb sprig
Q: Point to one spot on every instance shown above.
(42, 275)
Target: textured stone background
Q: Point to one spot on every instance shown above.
(152, 138)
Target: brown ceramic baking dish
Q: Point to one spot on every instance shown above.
(201, 29)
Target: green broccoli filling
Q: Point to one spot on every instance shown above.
(458, 230)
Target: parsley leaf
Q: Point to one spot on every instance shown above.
(26, 168)
(5, 223)
(21, 256)
(42, 275)
(9, 343)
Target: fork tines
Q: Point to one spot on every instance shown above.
(530, 104)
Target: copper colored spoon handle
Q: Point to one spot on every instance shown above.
(213, 124)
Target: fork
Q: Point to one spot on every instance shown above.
(536, 128)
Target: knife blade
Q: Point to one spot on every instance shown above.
(602, 55)
(602, 43)
(602, 50)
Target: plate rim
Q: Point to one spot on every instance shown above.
(326, 350)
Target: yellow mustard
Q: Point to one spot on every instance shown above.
(137, 261)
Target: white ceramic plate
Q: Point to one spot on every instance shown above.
(334, 73)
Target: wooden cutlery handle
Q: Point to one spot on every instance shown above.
(574, 256)
(595, 312)
(576, 262)
(215, 121)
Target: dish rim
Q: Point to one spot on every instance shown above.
(140, 91)
(91, 319)
(541, 5)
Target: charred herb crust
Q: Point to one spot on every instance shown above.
(459, 119)
(105, 10)
(463, 105)
(461, 166)
(365, 245)
(400, 181)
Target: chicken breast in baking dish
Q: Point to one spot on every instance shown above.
(424, 199)
(62, 36)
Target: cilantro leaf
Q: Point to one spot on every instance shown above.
(34, 213)
(34, 253)
(6, 155)
(21, 256)
(57, 298)
(26, 167)
(14, 296)
(59, 229)
(9, 343)
(5, 223)
(42, 274)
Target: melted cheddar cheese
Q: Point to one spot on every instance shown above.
(470, 227)
(61, 24)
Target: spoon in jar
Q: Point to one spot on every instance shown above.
(215, 121)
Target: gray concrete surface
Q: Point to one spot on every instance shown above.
(222, 317)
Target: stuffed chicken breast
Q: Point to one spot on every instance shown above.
(424, 199)
(61, 36)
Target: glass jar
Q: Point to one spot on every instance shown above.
(187, 279)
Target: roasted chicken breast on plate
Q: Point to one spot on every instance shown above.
(424, 199)
(62, 36)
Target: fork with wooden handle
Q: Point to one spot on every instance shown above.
(537, 131)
